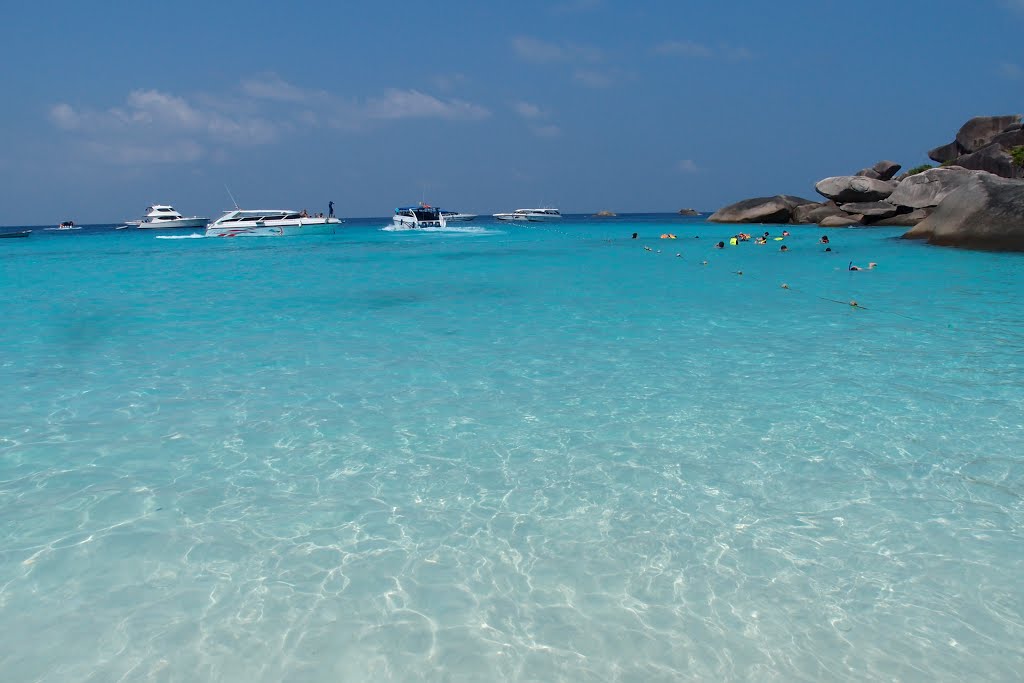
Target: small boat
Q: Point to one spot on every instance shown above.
(530, 215)
(418, 217)
(453, 216)
(66, 225)
(164, 217)
(270, 223)
(20, 233)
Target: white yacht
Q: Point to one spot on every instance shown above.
(422, 216)
(530, 215)
(164, 217)
(270, 223)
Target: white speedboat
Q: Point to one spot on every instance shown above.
(422, 216)
(453, 216)
(270, 223)
(65, 225)
(164, 217)
(530, 215)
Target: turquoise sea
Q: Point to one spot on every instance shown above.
(510, 453)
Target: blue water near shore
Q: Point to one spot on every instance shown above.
(510, 453)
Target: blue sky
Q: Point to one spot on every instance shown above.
(580, 104)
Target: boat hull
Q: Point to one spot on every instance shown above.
(174, 224)
(284, 228)
(526, 218)
(403, 223)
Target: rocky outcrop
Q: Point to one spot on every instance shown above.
(977, 134)
(930, 187)
(843, 221)
(814, 213)
(883, 170)
(904, 219)
(777, 209)
(945, 154)
(987, 212)
(991, 158)
(689, 212)
(604, 213)
(852, 188)
(984, 148)
(871, 210)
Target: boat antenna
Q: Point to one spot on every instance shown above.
(232, 198)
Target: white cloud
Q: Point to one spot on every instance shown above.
(546, 131)
(686, 166)
(134, 154)
(682, 48)
(64, 116)
(272, 87)
(689, 48)
(593, 78)
(528, 110)
(450, 82)
(152, 126)
(543, 52)
(1011, 71)
(405, 104)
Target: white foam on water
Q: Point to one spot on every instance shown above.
(461, 229)
(193, 236)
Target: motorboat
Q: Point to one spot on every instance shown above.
(66, 225)
(164, 217)
(422, 216)
(453, 216)
(530, 215)
(20, 233)
(270, 223)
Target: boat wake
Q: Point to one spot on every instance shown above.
(461, 229)
(193, 236)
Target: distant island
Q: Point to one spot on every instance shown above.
(974, 199)
(606, 214)
(689, 212)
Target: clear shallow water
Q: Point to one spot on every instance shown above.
(512, 453)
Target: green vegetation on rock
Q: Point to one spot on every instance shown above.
(919, 169)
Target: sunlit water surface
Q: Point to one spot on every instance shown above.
(510, 453)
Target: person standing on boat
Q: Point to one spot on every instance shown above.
(330, 209)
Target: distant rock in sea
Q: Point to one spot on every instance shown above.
(689, 212)
(606, 214)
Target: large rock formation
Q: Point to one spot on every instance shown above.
(777, 209)
(930, 187)
(883, 170)
(992, 158)
(815, 213)
(978, 133)
(904, 219)
(871, 210)
(853, 188)
(987, 212)
(876, 196)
